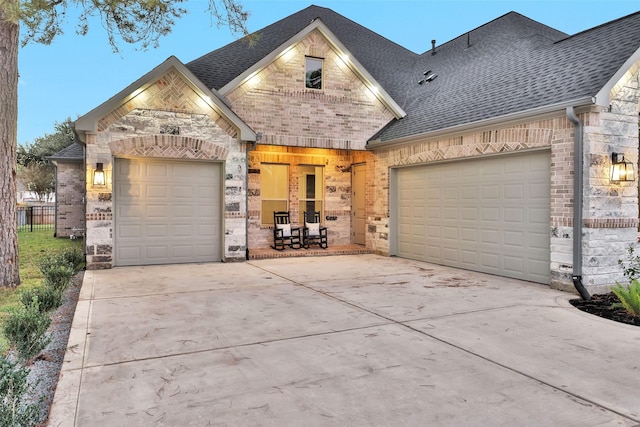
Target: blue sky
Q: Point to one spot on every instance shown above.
(75, 74)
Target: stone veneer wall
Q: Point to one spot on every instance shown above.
(167, 120)
(70, 188)
(610, 209)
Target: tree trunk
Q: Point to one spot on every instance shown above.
(9, 273)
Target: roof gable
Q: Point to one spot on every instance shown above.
(124, 101)
(377, 55)
(342, 52)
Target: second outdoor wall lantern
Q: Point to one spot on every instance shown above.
(621, 170)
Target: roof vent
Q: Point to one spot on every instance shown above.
(433, 47)
(429, 76)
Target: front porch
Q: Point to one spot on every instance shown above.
(266, 253)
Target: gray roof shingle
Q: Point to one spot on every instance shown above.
(513, 65)
(72, 153)
(509, 65)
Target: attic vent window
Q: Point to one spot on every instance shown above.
(313, 77)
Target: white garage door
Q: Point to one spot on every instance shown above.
(489, 215)
(167, 212)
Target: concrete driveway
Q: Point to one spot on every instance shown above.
(342, 340)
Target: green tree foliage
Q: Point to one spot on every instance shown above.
(47, 145)
(35, 170)
(140, 22)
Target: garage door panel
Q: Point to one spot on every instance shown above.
(167, 211)
(128, 190)
(490, 261)
(154, 211)
(489, 214)
(157, 230)
(131, 231)
(450, 254)
(490, 192)
(514, 215)
(469, 235)
(540, 216)
(514, 238)
(469, 213)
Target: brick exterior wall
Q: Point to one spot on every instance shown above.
(167, 120)
(70, 188)
(275, 102)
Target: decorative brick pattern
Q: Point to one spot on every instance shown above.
(170, 93)
(611, 223)
(99, 216)
(168, 147)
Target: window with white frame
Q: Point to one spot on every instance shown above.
(274, 190)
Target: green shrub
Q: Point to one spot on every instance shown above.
(49, 298)
(58, 277)
(630, 267)
(26, 328)
(629, 296)
(73, 257)
(15, 411)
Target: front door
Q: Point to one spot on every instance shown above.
(359, 217)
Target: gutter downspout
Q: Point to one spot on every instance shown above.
(248, 149)
(577, 203)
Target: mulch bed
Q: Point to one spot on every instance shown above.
(600, 305)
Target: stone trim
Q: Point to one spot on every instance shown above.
(234, 215)
(611, 223)
(168, 147)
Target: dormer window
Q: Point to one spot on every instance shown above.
(313, 78)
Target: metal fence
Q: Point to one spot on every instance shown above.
(32, 218)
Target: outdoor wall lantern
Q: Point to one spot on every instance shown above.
(621, 170)
(98, 175)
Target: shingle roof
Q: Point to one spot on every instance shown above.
(513, 65)
(380, 56)
(72, 153)
(509, 65)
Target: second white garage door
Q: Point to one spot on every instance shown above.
(489, 215)
(167, 212)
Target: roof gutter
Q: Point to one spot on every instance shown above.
(502, 121)
(577, 203)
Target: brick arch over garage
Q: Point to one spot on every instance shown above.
(168, 147)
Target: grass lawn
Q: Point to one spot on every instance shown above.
(32, 246)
